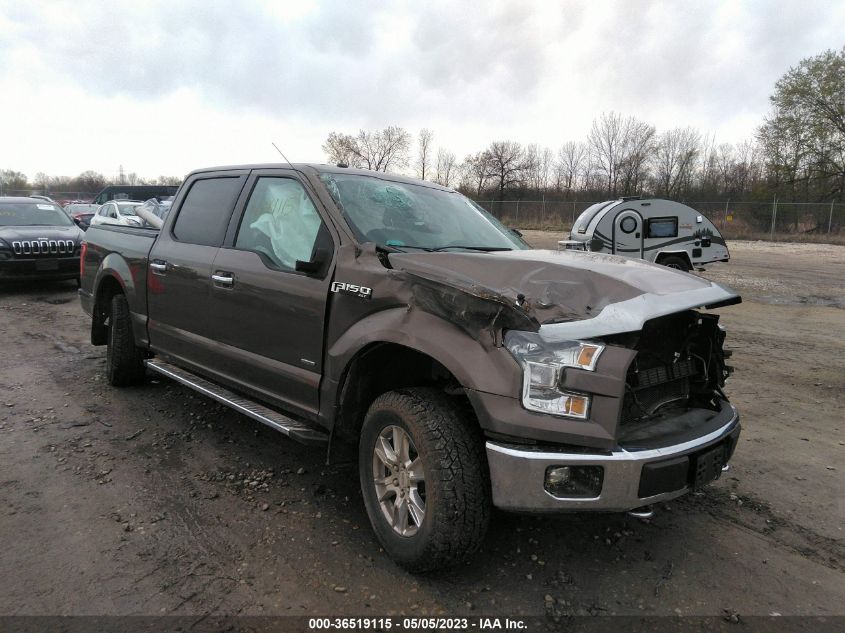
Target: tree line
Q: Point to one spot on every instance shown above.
(86, 182)
(797, 153)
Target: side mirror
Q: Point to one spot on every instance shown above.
(316, 263)
(516, 232)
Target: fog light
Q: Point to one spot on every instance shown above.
(557, 476)
(574, 481)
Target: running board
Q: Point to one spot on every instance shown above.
(299, 431)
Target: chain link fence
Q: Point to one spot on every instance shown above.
(774, 220)
(794, 221)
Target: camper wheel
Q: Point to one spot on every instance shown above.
(676, 262)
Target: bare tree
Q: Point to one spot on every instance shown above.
(381, 150)
(572, 160)
(11, 180)
(385, 149)
(676, 154)
(637, 151)
(42, 181)
(621, 148)
(476, 173)
(342, 149)
(506, 162)
(606, 138)
(537, 167)
(88, 181)
(446, 168)
(169, 180)
(424, 152)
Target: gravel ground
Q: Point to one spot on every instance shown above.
(154, 500)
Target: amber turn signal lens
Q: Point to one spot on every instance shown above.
(577, 406)
(587, 355)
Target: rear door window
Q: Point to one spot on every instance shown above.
(206, 210)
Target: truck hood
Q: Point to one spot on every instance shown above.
(9, 233)
(568, 293)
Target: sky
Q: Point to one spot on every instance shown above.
(162, 88)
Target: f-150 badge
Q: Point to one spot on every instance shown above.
(355, 290)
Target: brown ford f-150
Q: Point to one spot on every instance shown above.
(343, 305)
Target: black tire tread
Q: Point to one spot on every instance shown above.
(456, 446)
(680, 261)
(125, 365)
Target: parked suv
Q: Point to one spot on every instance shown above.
(37, 240)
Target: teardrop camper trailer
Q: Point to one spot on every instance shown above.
(659, 231)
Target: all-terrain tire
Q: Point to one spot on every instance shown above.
(678, 263)
(124, 360)
(457, 481)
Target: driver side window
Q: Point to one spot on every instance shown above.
(280, 221)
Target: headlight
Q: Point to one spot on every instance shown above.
(542, 366)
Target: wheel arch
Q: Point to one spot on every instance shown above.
(661, 256)
(383, 366)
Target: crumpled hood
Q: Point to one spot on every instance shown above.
(9, 233)
(561, 286)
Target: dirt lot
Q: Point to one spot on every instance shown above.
(153, 500)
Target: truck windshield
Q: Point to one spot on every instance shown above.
(32, 214)
(404, 215)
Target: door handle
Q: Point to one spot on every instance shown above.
(223, 279)
(158, 266)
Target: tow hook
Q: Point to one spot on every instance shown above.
(645, 512)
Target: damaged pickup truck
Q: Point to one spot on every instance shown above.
(342, 305)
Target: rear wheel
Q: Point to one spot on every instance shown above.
(424, 478)
(678, 263)
(124, 360)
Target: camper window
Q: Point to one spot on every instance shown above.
(663, 227)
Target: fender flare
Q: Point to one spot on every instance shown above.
(682, 253)
(452, 347)
(115, 267)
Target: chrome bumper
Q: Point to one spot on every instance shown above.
(518, 475)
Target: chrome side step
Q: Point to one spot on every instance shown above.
(294, 429)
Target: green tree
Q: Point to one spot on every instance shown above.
(804, 136)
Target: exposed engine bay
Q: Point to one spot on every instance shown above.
(680, 366)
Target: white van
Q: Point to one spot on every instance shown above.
(659, 231)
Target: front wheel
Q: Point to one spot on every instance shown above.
(424, 478)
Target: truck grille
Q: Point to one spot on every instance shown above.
(43, 247)
(649, 389)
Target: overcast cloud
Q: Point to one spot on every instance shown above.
(165, 87)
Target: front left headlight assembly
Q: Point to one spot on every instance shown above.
(542, 368)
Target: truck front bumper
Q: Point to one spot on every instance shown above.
(629, 479)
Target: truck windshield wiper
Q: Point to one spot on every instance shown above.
(434, 249)
(486, 249)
